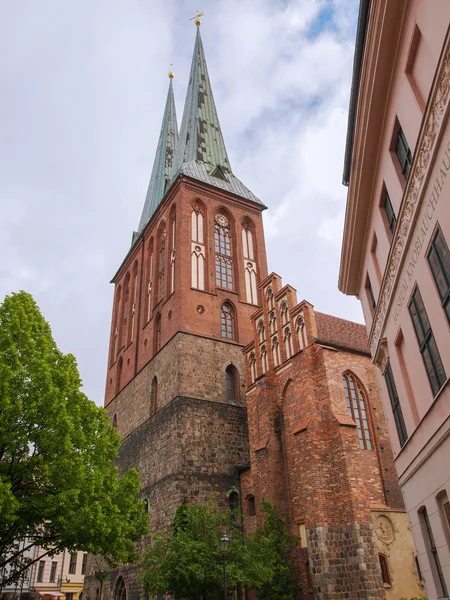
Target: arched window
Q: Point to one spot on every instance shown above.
(272, 322)
(284, 313)
(146, 505)
(157, 334)
(230, 384)
(301, 332)
(161, 262)
(198, 252)
(251, 506)
(227, 321)
(119, 375)
(251, 287)
(276, 352)
(252, 364)
(288, 342)
(261, 331)
(233, 501)
(269, 297)
(356, 406)
(154, 396)
(150, 274)
(133, 305)
(264, 363)
(120, 591)
(125, 311)
(114, 421)
(224, 262)
(385, 570)
(172, 250)
(116, 326)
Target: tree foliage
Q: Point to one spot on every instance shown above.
(187, 563)
(58, 485)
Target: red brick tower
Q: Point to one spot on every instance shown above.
(181, 316)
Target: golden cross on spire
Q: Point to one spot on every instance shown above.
(197, 17)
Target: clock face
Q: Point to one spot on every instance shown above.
(221, 220)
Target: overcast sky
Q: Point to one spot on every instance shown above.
(83, 85)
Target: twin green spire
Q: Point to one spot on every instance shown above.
(199, 151)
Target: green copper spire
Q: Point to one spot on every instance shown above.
(200, 151)
(162, 171)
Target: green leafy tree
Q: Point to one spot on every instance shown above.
(59, 487)
(187, 563)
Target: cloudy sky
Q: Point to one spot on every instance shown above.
(83, 86)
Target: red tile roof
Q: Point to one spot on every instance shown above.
(340, 332)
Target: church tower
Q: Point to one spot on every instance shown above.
(181, 317)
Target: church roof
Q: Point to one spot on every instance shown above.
(162, 171)
(340, 332)
(201, 152)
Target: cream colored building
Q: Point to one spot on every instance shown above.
(395, 254)
(59, 575)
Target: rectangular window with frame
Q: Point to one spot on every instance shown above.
(427, 343)
(389, 211)
(403, 153)
(438, 257)
(73, 563)
(434, 553)
(40, 573)
(395, 405)
(370, 296)
(84, 564)
(53, 572)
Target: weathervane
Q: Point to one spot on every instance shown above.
(196, 19)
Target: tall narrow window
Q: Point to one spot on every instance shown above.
(389, 211)
(251, 506)
(154, 396)
(301, 332)
(395, 405)
(284, 312)
(385, 571)
(84, 564)
(439, 260)
(264, 363)
(227, 318)
(119, 375)
(114, 421)
(73, 563)
(40, 573)
(403, 153)
(161, 264)
(370, 296)
(133, 305)
(261, 331)
(172, 254)
(272, 322)
(150, 266)
(198, 253)
(434, 552)
(269, 297)
(356, 406)
(53, 571)
(116, 326)
(230, 385)
(125, 311)
(157, 334)
(233, 501)
(224, 262)
(427, 344)
(288, 346)
(276, 352)
(251, 287)
(252, 364)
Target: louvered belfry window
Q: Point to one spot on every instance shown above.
(357, 409)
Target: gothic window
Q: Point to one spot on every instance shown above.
(252, 364)
(197, 248)
(251, 288)
(133, 305)
(161, 263)
(120, 592)
(154, 396)
(233, 501)
(288, 346)
(230, 385)
(157, 334)
(272, 322)
(125, 311)
(251, 506)
(264, 363)
(116, 326)
(301, 332)
(150, 266)
(114, 421)
(356, 406)
(224, 262)
(276, 352)
(261, 331)
(384, 570)
(227, 321)
(269, 296)
(172, 252)
(119, 375)
(284, 313)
